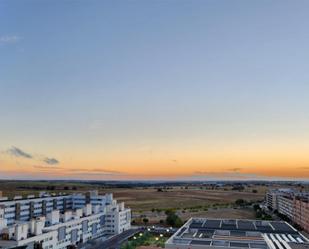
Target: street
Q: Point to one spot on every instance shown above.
(112, 243)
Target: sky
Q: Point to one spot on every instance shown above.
(139, 90)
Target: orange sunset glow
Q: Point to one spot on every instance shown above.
(154, 90)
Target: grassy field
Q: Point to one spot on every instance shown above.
(187, 202)
(147, 199)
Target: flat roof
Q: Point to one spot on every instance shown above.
(242, 225)
(237, 233)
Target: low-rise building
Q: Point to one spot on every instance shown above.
(203, 233)
(301, 212)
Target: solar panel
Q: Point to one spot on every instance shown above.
(258, 245)
(281, 227)
(264, 229)
(230, 222)
(220, 243)
(228, 226)
(238, 233)
(246, 225)
(206, 233)
(196, 224)
(212, 224)
(239, 244)
(263, 226)
(200, 242)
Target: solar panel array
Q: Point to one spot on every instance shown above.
(282, 226)
(242, 225)
(223, 243)
(238, 234)
(246, 225)
(214, 224)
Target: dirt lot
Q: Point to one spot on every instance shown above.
(155, 217)
(192, 202)
(147, 199)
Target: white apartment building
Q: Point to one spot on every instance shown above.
(285, 205)
(81, 218)
(271, 200)
(272, 197)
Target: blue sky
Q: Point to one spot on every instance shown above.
(108, 78)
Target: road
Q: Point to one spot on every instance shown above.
(112, 243)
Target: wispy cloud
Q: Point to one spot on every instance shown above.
(51, 161)
(19, 153)
(46, 167)
(235, 169)
(96, 171)
(8, 39)
(225, 175)
(14, 151)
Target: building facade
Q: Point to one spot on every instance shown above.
(301, 212)
(292, 204)
(60, 221)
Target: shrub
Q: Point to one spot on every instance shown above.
(173, 220)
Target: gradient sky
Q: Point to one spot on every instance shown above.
(154, 89)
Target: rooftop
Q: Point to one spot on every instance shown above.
(231, 233)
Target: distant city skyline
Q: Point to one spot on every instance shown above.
(126, 90)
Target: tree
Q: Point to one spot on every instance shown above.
(238, 187)
(145, 220)
(169, 211)
(173, 220)
(240, 202)
(256, 207)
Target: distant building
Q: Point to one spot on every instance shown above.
(60, 221)
(292, 204)
(202, 233)
(301, 212)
